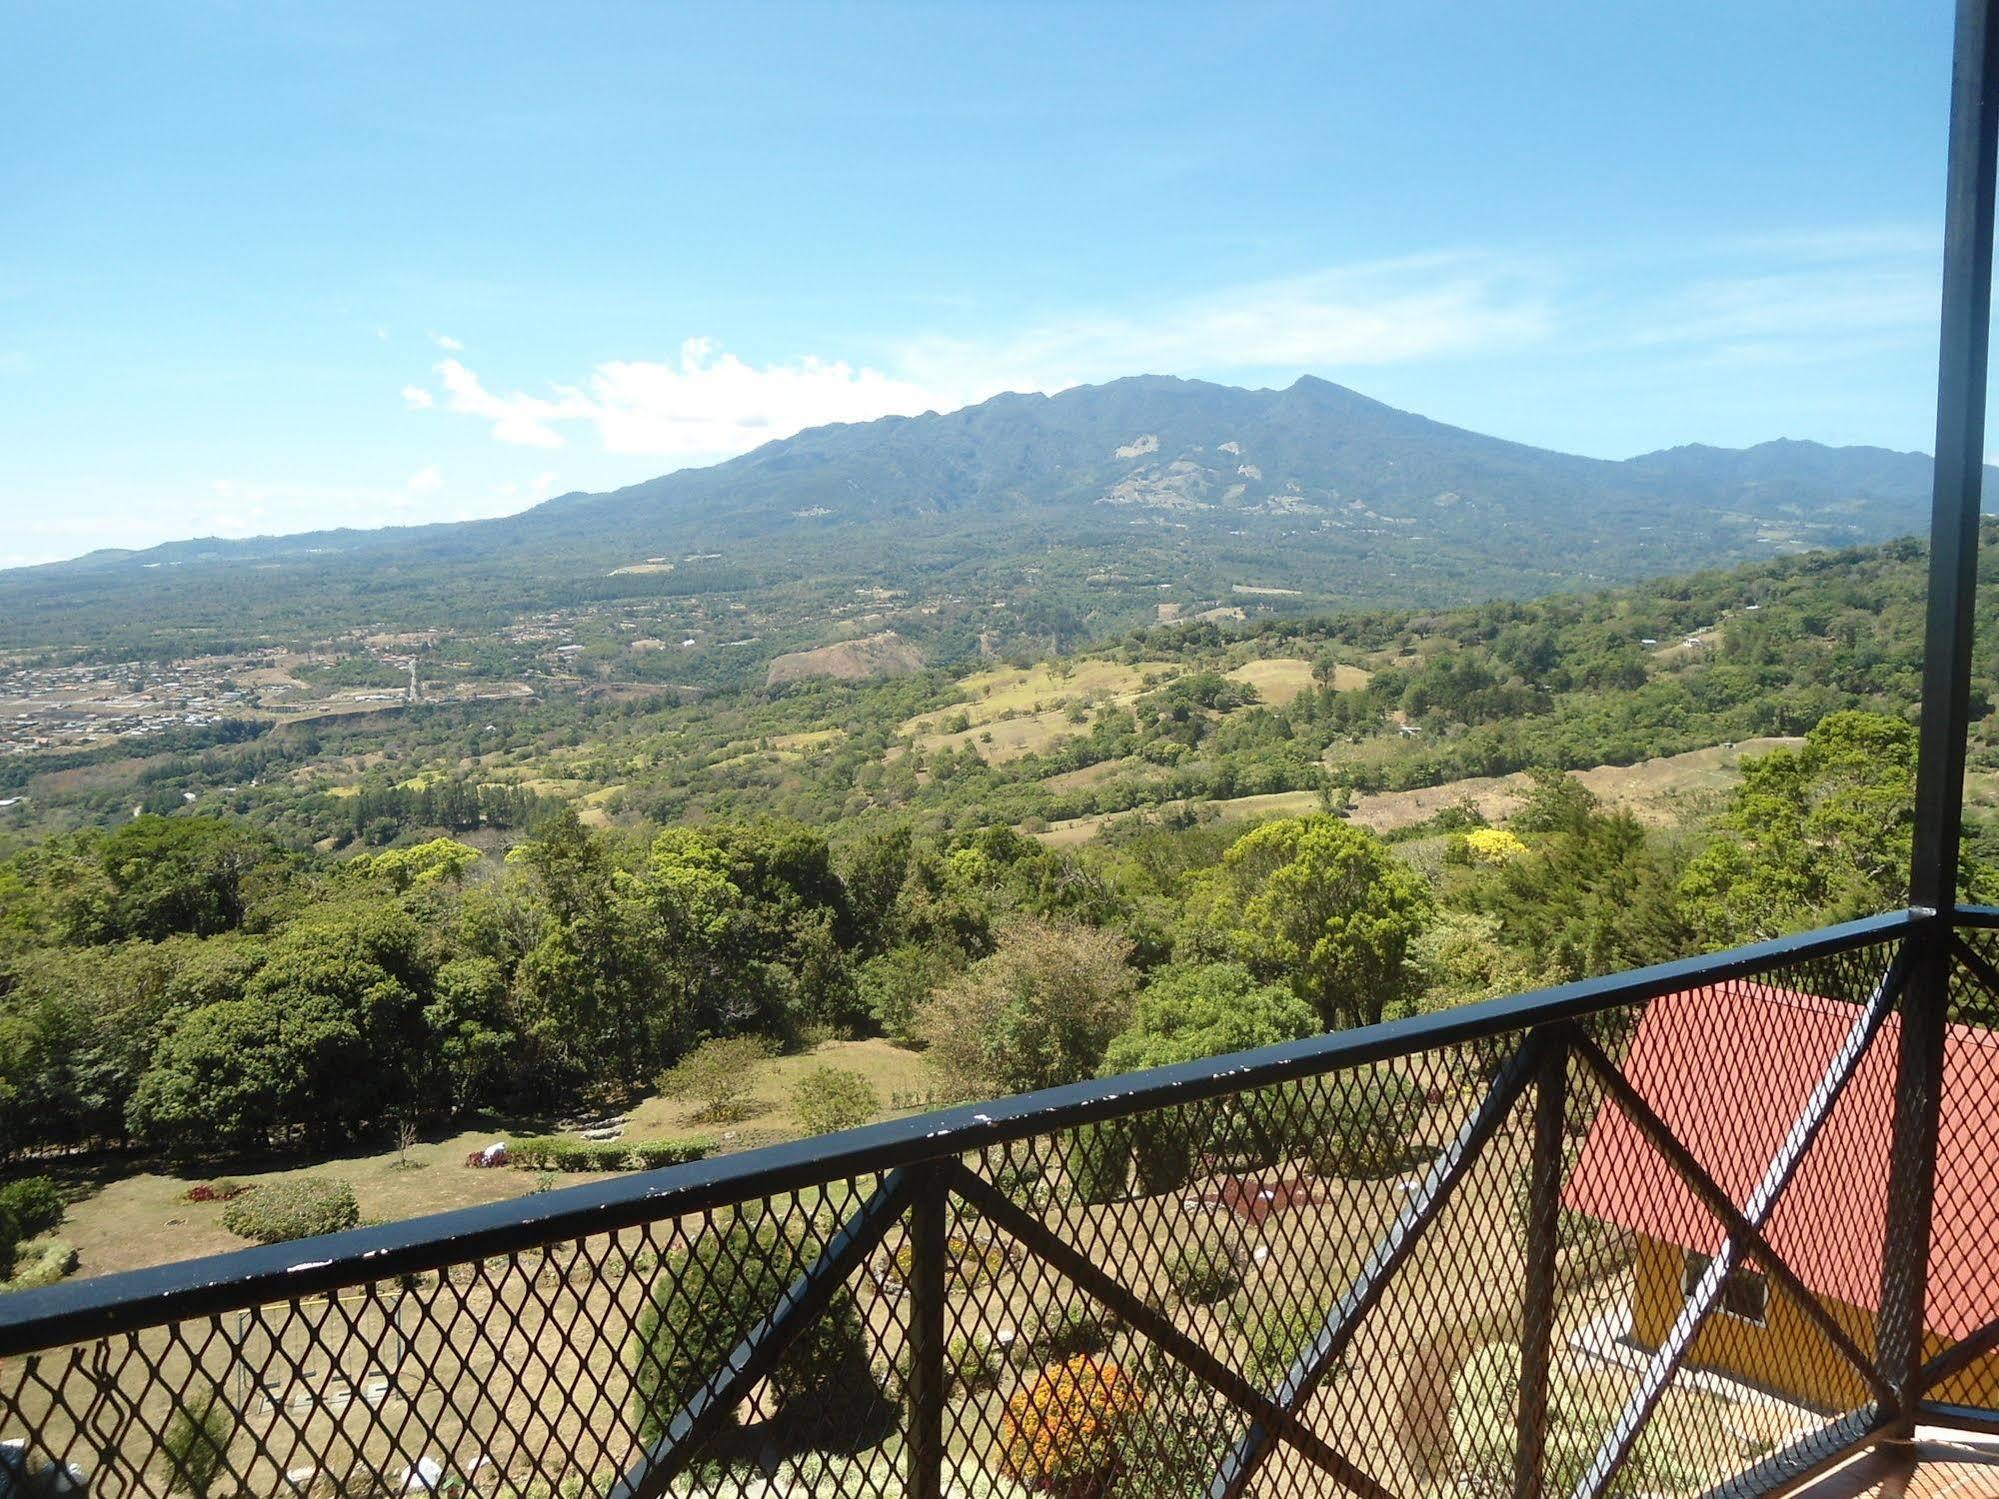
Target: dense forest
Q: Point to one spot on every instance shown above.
(192, 984)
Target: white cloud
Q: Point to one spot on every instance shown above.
(426, 480)
(710, 404)
(520, 419)
(417, 398)
(1383, 312)
(446, 342)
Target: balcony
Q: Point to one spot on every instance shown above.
(1725, 1227)
(1646, 1234)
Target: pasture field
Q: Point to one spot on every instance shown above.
(1661, 792)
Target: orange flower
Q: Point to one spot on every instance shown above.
(1061, 1433)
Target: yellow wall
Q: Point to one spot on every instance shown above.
(1787, 1355)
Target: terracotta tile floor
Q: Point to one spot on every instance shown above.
(1932, 1469)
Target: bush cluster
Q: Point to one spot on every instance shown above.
(554, 1153)
(1061, 1433)
(1365, 1124)
(1052, 1331)
(300, 1208)
(1206, 1271)
(718, 1076)
(28, 1207)
(828, 1099)
(47, 1263)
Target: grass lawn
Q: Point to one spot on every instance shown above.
(125, 1221)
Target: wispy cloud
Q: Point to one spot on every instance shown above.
(417, 398)
(426, 480)
(1446, 305)
(1793, 297)
(709, 404)
(446, 342)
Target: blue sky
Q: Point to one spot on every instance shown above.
(269, 267)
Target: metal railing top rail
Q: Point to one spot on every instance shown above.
(107, 1305)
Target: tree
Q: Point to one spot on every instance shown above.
(153, 877)
(440, 861)
(1206, 1010)
(1812, 836)
(1324, 906)
(711, 1294)
(1038, 1012)
(718, 1076)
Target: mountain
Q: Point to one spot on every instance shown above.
(1026, 519)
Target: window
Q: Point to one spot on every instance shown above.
(1746, 1295)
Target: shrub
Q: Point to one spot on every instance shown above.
(1061, 1434)
(1099, 1157)
(1365, 1121)
(1051, 1331)
(968, 1261)
(1162, 1151)
(1275, 1333)
(51, 1261)
(718, 1076)
(973, 1363)
(300, 1208)
(710, 1295)
(1037, 1013)
(1024, 1182)
(894, 985)
(1483, 1399)
(1280, 1119)
(34, 1203)
(827, 1099)
(1205, 1271)
(196, 1444)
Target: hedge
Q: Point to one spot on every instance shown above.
(554, 1153)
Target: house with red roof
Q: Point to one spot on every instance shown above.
(1730, 1069)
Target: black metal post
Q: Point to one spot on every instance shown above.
(929, 1272)
(1960, 457)
(1953, 576)
(1537, 1312)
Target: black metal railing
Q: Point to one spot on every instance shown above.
(1628, 1235)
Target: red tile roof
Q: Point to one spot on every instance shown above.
(1729, 1067)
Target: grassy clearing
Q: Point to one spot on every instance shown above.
(808, 740)
(143, 1218)
(1014, 712)
(1661, 792)
(889, 1069)
(990, 694)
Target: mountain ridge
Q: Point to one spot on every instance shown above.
(1660, 461)
(1031, 520)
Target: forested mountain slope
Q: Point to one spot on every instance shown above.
(1024, 522)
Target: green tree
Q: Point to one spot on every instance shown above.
(1326, 907)
(1812, 836)
(1038, 1012)
(1206, 1010)
(440, 861)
